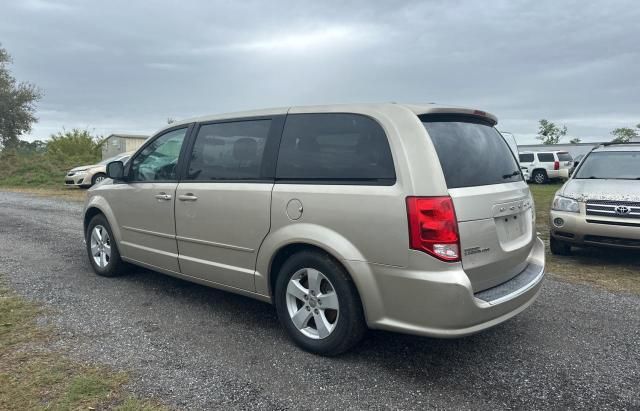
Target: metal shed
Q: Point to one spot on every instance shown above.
(121, 143)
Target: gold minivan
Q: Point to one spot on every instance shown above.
(408, 218)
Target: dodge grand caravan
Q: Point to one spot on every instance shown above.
(406, 218)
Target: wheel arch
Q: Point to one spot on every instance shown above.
(96, 175)
(283, 243)
(97, 205)
(288, 250)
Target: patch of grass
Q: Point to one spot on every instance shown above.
(33, 377)
(68, 193)
(612, 269)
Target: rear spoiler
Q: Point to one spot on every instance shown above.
(454, 112)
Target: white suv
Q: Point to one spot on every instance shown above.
(547, 165)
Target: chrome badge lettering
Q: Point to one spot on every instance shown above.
(475, 250)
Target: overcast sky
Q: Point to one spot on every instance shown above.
(126, 66)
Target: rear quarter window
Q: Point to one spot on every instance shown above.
(334, 148)
(526, 158)
(471, 153)
(546, 157)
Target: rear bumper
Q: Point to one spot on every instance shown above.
(580, 229)
(443, 304)
(562, 173)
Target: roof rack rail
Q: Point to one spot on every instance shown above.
(611, 143)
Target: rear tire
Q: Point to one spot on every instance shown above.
(315, 292)
(102, 249)
(540, 177)
(559, 247)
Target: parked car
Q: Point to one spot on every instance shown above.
(600, 204)
(87, 176)
(345, 217)
(545, 166)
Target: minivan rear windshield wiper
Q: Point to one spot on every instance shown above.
(515, 173)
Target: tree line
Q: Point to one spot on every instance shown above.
(550, 133)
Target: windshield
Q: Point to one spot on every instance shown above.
(621, 165)
(564, 157)
(471, 153)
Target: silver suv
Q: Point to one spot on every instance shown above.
(406, 218)
(600, 204)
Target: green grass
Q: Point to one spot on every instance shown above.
(41, 173)
(31, 170)
(33, 377)
(612, 269)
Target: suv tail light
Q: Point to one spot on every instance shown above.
(556, 165)
(433, 227)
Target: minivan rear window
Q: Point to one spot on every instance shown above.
(334, 148)
(471, 152)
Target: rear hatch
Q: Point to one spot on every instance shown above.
(565, 163)
(492, 203)
(564, 159)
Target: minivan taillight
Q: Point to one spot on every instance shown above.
(556, 165)
(433, 227)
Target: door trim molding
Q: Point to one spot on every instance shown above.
(214, 244)
(155, 233)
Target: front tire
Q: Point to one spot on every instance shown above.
(318, 304)
(98, 178)
(102, 249)
(559, 247)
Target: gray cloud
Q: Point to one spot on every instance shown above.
(127, 66)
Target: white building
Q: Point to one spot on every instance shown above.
(121, 143)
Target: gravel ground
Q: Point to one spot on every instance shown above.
(194, 347)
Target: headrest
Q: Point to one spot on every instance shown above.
(245, 149)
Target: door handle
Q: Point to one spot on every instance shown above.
(163, 196)
(187, 197)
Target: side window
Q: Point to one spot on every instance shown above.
(526, 158)
(340, 148)
(158, 160)
(546, 157)
(229, 151)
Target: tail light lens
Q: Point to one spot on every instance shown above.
(433, 227)
(556, 165)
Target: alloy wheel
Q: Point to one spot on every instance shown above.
(100, 246)
(312, 303)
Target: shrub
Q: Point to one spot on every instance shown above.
(37, 164)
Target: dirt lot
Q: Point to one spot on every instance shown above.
(193, 347)
(614, 270)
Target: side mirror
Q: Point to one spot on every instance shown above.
(115, 170)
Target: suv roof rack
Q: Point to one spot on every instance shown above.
(611, 143)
